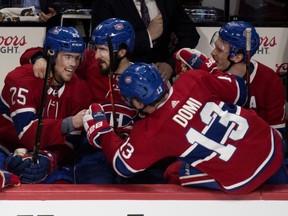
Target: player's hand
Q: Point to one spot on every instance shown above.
(187, 58)
(77, 120)
(155, 27)
(164, 69)
(95, 123)
(29, 172)
(45, 17)
(7, 178)
(39, 68)
(14, 162)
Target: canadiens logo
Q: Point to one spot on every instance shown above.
(119, 26)
(125, 115)
(56, 31)
(128, 79)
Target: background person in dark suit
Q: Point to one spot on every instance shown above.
(46, 11)
(152, 43)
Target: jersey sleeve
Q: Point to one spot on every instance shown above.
(28, 54)
(111, 144)
(273, 110)
(267, 96)
(229, 88)
(132, 155)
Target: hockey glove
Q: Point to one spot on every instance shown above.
(7, 178)
(14, 162)
(187, 59)
(28, 171)
(95, 124)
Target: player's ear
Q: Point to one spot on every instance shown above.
(122, 52)
(237, 58)
(137, 104)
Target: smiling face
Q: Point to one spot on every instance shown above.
(65, 66)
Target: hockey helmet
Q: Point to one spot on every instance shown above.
(65, 39)
(120, 32)
(234, 34)
(142, 81)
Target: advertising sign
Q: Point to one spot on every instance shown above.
(13, 42)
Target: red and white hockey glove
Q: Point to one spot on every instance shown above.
(21, 164)
(95, 124)
(7, 178)
(187, 59)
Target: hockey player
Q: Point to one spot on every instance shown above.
(217, 143)
(230, 56)
(95, 67)
(95, 71)
(102, 75)
(65, 106)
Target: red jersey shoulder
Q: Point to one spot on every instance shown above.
(264, 72)
(23, 77)
(265, 76)
(212, 82)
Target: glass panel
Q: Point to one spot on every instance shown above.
(204, 11)
(16, 3)
(259, 12)
(262, 11)
(4, 3)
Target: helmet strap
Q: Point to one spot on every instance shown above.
(55, 79)
(117, 60)
(231, 63)
(234, 54)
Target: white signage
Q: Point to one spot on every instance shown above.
(13, 42)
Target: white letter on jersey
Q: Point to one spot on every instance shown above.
(252, 102)
(186, 112)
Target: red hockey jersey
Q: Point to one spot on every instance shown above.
(98, 83)
(20, 101)
(227, 142)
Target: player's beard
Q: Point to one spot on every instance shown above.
(104, 67)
